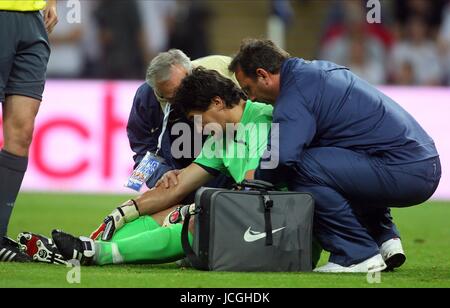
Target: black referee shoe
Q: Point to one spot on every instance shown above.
(10, 251)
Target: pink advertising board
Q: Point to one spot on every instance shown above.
(80, 142)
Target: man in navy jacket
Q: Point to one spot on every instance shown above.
(151, 103)
(143, 129)
(353, 148)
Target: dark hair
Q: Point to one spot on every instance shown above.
(258, 53)
(198, 89)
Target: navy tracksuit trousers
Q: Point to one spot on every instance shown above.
(353, 193)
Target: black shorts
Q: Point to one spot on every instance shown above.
(24, 54)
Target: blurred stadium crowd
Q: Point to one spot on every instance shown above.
(410, 47)
(116, 39)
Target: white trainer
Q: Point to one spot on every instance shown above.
(373, 264)
(392, 253)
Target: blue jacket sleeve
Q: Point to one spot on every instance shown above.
(296, 130)
(140, 127)
(159, 172)
(144, 128)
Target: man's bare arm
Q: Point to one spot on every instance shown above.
(153, 201)
(50, 15)
(161, 198)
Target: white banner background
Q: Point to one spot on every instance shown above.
(80, 142)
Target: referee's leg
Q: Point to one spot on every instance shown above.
(22, 84)
(19, 113)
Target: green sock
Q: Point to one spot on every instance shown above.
(316, 251)
(159, 245)
(142, 224)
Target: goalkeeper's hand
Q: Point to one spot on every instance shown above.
(127, 212)
(169, 179)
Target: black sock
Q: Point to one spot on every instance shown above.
(12, 170)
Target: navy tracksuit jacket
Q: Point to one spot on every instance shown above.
(355, 150)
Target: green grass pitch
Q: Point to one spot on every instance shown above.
(425, 230)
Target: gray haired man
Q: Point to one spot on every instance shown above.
(152, 117)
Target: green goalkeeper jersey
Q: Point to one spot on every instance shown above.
(236, 154)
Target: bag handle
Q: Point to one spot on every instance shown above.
(263, 187)
(268, 204)
(255, 184)
(190, 253)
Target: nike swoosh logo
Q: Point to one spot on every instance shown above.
(252, 236)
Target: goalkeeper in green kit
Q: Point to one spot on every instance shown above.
(148, 229)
